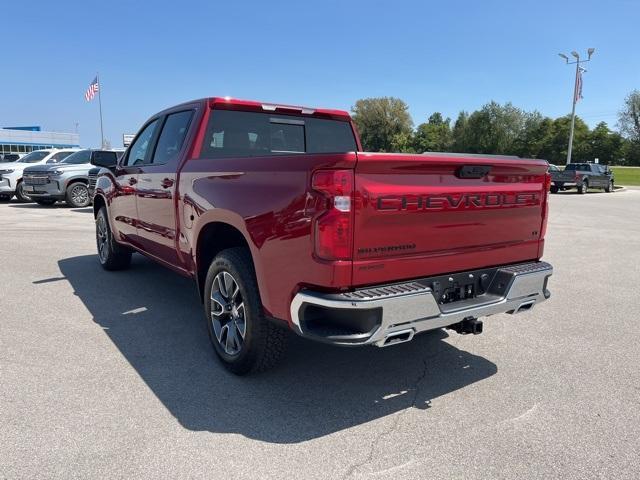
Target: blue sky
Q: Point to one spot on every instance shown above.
(436, 56)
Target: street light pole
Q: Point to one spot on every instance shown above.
(575, 93)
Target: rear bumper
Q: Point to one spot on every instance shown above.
(374, 315)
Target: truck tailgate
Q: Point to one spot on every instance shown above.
(420, 215)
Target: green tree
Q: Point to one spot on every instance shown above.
(555, 142)
(603, 144)
(535, 133)
(631, 153)
(380, 120)
(434, 135)
(629, 116)
(494, 128)
(459, 141)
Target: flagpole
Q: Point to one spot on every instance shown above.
(576, 93)
(573, 113)
(100, 104)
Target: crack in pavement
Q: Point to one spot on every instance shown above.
(398, 416)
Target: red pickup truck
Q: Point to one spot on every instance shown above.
(284, 223)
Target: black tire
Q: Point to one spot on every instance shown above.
(46, 202)
(20, 195)
(609, 187)
(111, 255)
(77, 195)
(263, 343)
(582, 189)
(554, 189)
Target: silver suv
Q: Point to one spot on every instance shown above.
(11, 172)
(67, 180)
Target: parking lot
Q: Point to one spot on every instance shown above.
(111, 374)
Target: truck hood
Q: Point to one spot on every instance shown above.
(83, 167)
(16, 166)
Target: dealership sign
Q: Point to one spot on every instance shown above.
(127, 139)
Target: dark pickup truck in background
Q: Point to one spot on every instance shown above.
(582, 176)
(284, 223)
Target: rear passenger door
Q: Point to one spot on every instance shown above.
(157, 187)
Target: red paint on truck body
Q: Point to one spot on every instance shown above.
(412, 215)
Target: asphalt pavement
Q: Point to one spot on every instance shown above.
(111, 374)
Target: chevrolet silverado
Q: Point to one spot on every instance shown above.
(285, 223)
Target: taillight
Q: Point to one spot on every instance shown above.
(334, 227)
(545, 205)
(577, 177)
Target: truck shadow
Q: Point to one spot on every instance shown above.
(155, 319)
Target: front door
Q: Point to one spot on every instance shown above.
(124, 210)
(157, 184)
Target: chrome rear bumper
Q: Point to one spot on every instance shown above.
(408, 308)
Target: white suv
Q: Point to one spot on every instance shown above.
(11, 172)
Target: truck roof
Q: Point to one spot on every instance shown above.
(276, 107)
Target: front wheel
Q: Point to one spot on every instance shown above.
(554, 189)
(243, 339)
(77, 195)
(20, 193)
(582, 189)
(609, 187)
(111, 255)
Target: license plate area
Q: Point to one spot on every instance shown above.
(461, 286)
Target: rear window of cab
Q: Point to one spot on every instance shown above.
(232, 133)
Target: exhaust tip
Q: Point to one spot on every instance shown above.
(523, 307)
(395, 338)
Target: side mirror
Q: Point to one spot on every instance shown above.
(104, 159)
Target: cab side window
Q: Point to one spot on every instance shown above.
(172, 137)
(59, 156)
(141, 147)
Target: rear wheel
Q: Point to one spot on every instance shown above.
(111, 255)
(77, 195)
(554, 189)
(609, 187)
(20, 193)
(582, 189)
(243, 339)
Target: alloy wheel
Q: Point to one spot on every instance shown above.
(228, 313)
(102, 238)
(21, 194)
(80, 195)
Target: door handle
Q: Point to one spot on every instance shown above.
(166, 183)
(132, 181)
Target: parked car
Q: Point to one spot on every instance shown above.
(582, 176)
(67, 180)
(284, 223)
(11, 172)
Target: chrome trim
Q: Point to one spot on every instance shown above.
(417, 309)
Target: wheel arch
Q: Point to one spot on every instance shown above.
(73, 180)
(98, 203)
(213, 237)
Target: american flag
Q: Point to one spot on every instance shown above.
(92, 90)
(579, 96)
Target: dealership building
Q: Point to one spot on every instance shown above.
(28, 139)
